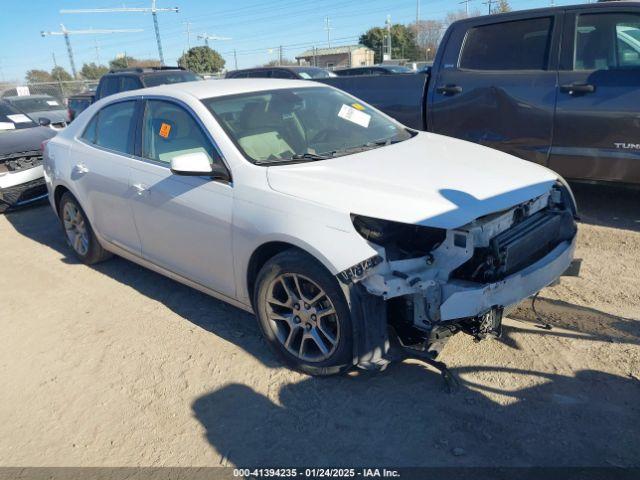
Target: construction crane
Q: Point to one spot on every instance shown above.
(153, 10)
(65, 33)
(206, 37)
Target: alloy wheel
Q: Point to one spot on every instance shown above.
(303, 317)
(76, 228)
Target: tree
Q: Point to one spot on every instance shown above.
(60, 74)
(202, 60)
(276, 63)
(121, 62)
(428, 34)
(38, 76)
(91, 71)
(503, 7)
(403, 42)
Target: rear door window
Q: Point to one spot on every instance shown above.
(516, 45)
(112, 127)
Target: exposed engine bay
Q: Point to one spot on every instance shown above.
(438, 282)
(15, 162)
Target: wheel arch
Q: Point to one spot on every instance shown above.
(58, 192)
(266, 251)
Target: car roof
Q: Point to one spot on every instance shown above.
(228, 86)
(609, 4)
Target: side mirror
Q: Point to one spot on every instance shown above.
(45, 122)
(197, 164)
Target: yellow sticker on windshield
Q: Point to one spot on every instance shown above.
(357, 106)
(165, 130)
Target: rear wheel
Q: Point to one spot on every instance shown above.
(78, 231)
(303, 314)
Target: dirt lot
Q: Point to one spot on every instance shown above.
(116, 365)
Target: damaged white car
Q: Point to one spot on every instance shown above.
(340, 228)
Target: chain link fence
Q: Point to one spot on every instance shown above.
(58, 90)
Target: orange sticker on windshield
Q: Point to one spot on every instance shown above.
(165, 130)
(357, 106)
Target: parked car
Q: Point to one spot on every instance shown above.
(373, 70)
(77, 103)
(564, 94)
(37, 107)
(132, 79)
(312, 209)
(21, 179)
(303, 73)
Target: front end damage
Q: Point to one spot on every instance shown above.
(426, 284)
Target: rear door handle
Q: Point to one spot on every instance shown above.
(577, 88)
(449, 89)
(140, 189)
(80, 169)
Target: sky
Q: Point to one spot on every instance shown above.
(256, 28)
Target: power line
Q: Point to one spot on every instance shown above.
(154, 13)
(206, 37)
(65, 33)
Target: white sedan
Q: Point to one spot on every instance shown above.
(326, 218)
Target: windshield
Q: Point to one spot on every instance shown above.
(314, 73)
(12, 119)
(302, 124)
(37, 104)
(165, 78)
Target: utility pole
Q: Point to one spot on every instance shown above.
(328, 28)
(65, 33)
(389, 45)
(488, 3)
(206, 37)
(95, 40)
(188, 25)
(280, 55)
(235, 58)
(417, 12)
(153, 10)
(466, 6)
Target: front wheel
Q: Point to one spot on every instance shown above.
(303, 314)
(78, 231)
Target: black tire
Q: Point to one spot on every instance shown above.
(94, 251)
(296, 262)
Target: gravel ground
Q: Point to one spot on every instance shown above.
(118, 366)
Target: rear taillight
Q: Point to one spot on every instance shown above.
(69, 115)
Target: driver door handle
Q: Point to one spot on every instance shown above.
(449, 89)
(577, 88)
(140, 189)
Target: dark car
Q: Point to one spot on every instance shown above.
(37, 107)
(373, 70)
(301, 73)
(117, 81)
(21, 175)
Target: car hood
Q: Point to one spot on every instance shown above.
(428, 180)
(24, 139)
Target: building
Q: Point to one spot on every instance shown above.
(337, 57)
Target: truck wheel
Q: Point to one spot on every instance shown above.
(303, 314)
(79, 233)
